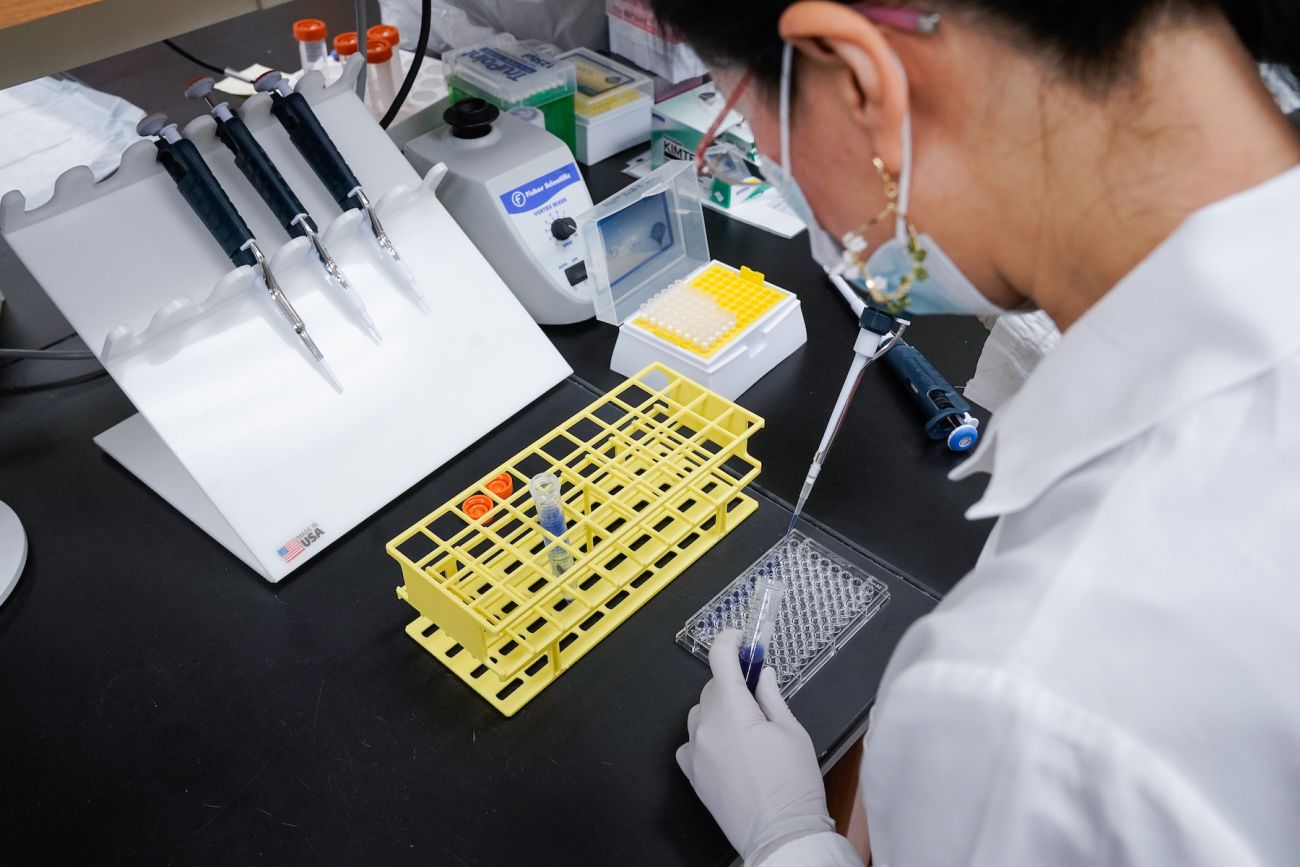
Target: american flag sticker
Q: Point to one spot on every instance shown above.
(293, 549)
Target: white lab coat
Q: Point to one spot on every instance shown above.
(1116, 682)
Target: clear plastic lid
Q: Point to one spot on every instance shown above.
(509, 73)
(643, 238)
(604, 85)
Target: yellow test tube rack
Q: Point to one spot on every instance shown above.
(645, 494)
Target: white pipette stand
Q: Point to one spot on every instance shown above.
(236, 428)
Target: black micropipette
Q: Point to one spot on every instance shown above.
(200, 188)
(256, 165)
(295, 114)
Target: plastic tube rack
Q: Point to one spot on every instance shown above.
(645, 494)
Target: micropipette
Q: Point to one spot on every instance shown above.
(947, 414)
(199, 187)
(878, 334)
(255, 163)
(309, 137)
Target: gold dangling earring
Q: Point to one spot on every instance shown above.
(856, 248)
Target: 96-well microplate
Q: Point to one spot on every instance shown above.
(827, 600)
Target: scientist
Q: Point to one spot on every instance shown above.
(1115, 681)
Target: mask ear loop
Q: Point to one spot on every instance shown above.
(905, 174)
(787, 65)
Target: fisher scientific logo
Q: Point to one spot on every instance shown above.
(539, 191)
(294, 548)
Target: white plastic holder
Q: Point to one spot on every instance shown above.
(744, 360)
(236, 428)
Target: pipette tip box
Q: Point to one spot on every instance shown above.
(650, 237)
(645, 494)
(769, 327)
(611, 107)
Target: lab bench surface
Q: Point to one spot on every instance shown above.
(164, 705)
(159, 703)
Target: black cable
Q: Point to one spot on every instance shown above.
(421, 46)
(360, 10)
(192, 59)
(47, 354)
(58, 383)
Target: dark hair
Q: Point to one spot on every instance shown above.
(1091, 40)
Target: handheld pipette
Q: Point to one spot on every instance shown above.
(309, 137)
(199, 187)
(879, 333)
(253, 161)
(947, 414)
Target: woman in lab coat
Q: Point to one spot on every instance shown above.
(1114, 683)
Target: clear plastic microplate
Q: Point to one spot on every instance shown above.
(827, 600)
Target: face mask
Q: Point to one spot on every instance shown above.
(945, 288)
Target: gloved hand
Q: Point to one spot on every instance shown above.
(750, 761)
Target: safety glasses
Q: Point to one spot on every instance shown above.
(726, 162)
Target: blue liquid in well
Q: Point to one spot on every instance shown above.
(751, 664)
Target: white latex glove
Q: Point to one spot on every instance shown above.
(750, 761)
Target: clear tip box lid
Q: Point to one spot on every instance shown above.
(604, 85)
(643, 238)
(513, 72)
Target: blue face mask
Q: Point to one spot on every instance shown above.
(944, 290)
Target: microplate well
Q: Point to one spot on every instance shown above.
(827, 600)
